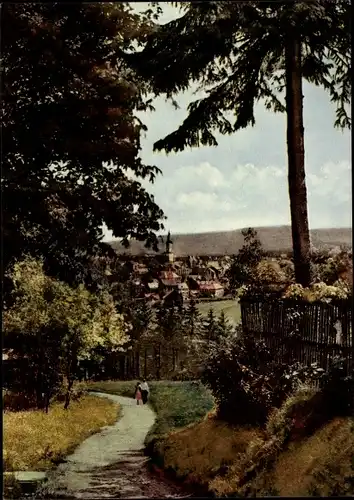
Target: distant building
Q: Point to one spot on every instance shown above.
(169, 252)
(169, 275)
(173, 298)
(153, 286)
(183, 289)
(205, 288)
(211, 289)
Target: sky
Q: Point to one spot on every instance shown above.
(242, 182)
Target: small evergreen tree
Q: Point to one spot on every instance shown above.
(192, 320)
(223, 326)
(210, 327)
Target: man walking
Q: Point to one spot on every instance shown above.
(144, 391)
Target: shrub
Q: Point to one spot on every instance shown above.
(318, 291)
(245, 380)
(338, 389)
(308, 407)
(248, 381)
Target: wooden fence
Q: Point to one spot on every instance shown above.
(302, 332)
(152, 361)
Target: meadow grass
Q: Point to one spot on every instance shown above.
(177, 404)
(231, 309)
(34, 440)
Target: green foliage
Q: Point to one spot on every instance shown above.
(224, 328)
(53, 326)
(192, 320)
(216, 329)
(319, 292)
(244, 380)
(242, 270)
(246, 63)
(239, 53)
(71, 133)
(330, 271)
(210, 326)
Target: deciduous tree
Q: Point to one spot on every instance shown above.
(71, 134)
(54, 326)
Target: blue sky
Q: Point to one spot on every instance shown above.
(243, 181)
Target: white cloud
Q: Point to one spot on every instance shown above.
(201, 198)
(199, 175)
(243, 181)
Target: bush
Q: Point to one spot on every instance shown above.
(245, 380)
(307, 408)
(338, 389)
(248, 382)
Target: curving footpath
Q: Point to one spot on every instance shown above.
(111, 464)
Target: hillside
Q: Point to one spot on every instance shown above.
(274, 238)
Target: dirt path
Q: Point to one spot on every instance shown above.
(111, 464)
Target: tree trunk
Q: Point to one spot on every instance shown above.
(137, 365)
(296, 162)
(68, 392)
(145, 362)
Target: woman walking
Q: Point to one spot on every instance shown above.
(138, 396)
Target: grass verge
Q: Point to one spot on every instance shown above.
(34, 440)
(177, 404)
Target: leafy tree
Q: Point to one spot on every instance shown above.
(238, 53)
(244, 264)
(70, 133)
(54, 326)
(269, 273)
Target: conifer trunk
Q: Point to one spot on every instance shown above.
(296, 162)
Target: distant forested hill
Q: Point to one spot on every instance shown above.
(274, 239)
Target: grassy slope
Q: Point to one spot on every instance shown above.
(231, 309)
(229, 242)
(210, 452)
(197, 454)
(34, 440)
(321, 465)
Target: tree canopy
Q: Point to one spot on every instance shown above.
(239, 53)
(71, 134)
(234, 53)
(54, 326)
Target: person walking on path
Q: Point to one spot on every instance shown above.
(144, 391)
(138, 394)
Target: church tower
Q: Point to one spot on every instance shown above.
(169, 251)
